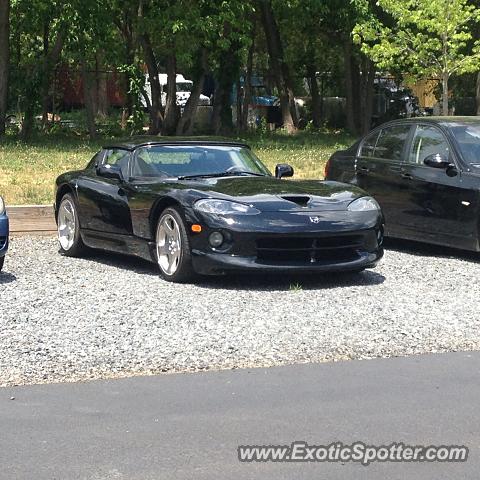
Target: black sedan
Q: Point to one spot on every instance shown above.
(425, 174)
(211, 207)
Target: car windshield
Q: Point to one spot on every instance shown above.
(468, 139)
(196, 161)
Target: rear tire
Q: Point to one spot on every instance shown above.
(173, 247)
(68, 228)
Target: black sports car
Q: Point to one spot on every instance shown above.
(211, 207)
(424, 173)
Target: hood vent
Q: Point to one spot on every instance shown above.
(300, 200)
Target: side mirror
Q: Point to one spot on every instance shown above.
(283, 170)
(110, 171)
(437, 160)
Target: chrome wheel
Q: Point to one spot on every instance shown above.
(67, 224)
(169, 244)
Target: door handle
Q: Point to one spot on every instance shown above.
(407, 176)
(364, 169)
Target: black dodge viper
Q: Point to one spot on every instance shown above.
(198, 206)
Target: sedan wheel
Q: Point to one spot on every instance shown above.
(68, 228)
(172, 247)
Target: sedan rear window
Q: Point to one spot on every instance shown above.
(428, 141)
(468, 139)
(391, 142)
(368, 146)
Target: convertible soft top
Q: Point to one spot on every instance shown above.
(142, 141)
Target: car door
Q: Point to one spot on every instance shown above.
(434, 201)
(378, 168)
(103, 202)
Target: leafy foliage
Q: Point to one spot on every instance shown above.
(424, 38)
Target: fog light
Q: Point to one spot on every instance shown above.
(215, 239)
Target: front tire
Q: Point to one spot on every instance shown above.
(2, 261)
(173, 247)
(68, 228)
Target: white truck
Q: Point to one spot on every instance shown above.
(184, 89)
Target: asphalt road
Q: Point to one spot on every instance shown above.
(188, 426)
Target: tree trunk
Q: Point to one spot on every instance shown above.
(88, 94)
(28, 118)
(355, 83)
(171, 108)
(350, 109)
(156, 117)
(102, 86)
(28, 121)
(45, 83)
(316, 100)
(366, 94)
(238, 104)
(279, 66)
(228, 73)
(478, 93)
(130, 60)
(186, 122)
(4, 60)
(46, 69)
(445, 94)
(50, 61)
(356, 89)
(247, 86)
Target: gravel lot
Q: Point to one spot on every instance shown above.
(65, 319)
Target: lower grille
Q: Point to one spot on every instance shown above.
(336, 249)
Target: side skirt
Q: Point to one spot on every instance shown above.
(470, 244)
(126, 244)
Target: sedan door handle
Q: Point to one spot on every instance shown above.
(364, 169)
(407, 176)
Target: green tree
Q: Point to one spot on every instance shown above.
(278, 64)
(427, 38)
(39, 30)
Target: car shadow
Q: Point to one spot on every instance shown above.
(428, 250)
(291, 282)
(119, 260)
(246, 281)
(6, 277)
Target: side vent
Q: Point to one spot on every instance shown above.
(302, 201)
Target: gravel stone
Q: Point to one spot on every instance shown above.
(102, 316)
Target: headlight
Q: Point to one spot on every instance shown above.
(224, 207)
(364, 204)
(2, 206)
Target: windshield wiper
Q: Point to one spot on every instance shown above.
(220, 174)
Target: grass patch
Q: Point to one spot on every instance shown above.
(306, 152)
(28, 170)
(296, 287)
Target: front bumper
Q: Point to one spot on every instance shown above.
(4, 231)
(340, 241)
(218, 264)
